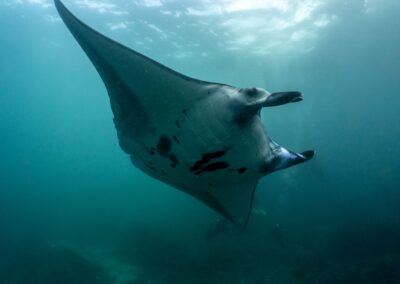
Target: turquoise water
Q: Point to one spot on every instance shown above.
(73, 209)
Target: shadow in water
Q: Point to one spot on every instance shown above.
(36, 262)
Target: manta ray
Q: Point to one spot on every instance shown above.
(205, 139)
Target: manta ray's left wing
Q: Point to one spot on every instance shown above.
(139, 88)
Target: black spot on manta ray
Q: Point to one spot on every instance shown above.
(184, 111)
(242, 170)
(215, 166)
(251, 92)
(178, 124)
(243, 119)
(197, 166)
(207, 157)
(176, 140)
(164, 145)
(151, 167)
(212, 167)
(173, 159)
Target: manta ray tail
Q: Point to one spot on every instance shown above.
(233, 201)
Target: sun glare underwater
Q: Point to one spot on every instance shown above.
(73, 207)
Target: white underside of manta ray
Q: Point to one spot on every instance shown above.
(205, 139)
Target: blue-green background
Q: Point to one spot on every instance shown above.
(74, 210)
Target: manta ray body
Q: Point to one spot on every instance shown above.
(205, 139)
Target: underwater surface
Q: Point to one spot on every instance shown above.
(73, 209)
